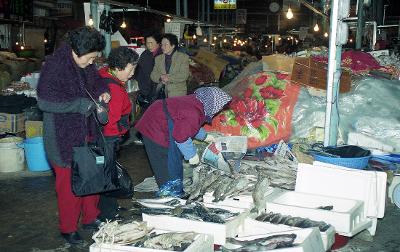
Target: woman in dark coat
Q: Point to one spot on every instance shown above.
(68, 121)
(168, 127)
(147, 87)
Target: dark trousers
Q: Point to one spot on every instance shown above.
(108, 208)
(70, 206)
(158, 157)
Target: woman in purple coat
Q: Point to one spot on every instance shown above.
(68, 121)
(168, 127)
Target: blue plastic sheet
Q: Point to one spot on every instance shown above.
(173, 188)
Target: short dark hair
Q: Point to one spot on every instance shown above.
(156, 36)
(86, 40)
(120, 57)
(173, 39)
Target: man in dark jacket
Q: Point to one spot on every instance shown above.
(68, 121)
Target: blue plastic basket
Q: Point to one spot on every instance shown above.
(355, 163)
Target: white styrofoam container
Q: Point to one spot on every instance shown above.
(218, 231)
(202, 242)
(346, 216)
(244, 201)
(254, 227)
(338, 181)
(307, 240)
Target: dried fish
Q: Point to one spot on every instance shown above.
(113, 232)
(236, 185)
(169, 241)
(226, 181)
(258, 194)
(330, 207)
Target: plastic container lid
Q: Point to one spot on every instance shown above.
(396, 195)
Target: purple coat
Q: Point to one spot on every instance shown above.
(66, 107)
(187, 113)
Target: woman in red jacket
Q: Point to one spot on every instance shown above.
(122, 62)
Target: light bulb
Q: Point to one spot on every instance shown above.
(351, 40)
(225, 40)
(16, 43)
(288, 38)
(289, 14)
(90, 22)
(123, 25)
(205, 40)
(279, 38)
(316, 28)
(45, 40)
(325, 34)
(168, 20)
(194, 36)
(215, 38)
(22, 47)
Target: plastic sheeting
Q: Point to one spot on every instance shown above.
(372, 108)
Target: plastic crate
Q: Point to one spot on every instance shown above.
(355, 163)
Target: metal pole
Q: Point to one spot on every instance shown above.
(178, 7)
(208, 11)
(360, 24)
(203, 10)
(185, 8)
(94, 13)
(334, 60)
(107, 35)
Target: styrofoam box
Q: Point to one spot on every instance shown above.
(307, 240)
(255, 227)
(202, 242)
(218, 231)
(347, 214)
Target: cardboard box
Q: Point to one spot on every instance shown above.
(212, 61)
(33, 128)
(314, 74)
(12, 123)
(278, 62)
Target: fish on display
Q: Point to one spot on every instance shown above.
(197, 187)
(258, 194)
(176, 241)
(236, 185)
(225, 182)
(208, 180)
(330, 207)
(262, 244)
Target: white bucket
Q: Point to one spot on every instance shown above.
(11, 155)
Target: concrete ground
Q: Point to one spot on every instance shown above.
(28, 218)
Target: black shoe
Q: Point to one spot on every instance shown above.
(72, 238)
(93, 225)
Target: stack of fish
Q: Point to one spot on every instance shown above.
(173, 241)
(115, 233)
(195, 211)
(281, 171)
(261, 244)
(222, 185)
(276, 218)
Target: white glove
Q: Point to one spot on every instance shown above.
(194, 160)
(209, 138)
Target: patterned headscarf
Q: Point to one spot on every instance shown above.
(213, 99)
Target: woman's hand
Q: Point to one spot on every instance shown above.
(106, 97)
(164, 78)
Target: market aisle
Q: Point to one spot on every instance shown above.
(29, 212)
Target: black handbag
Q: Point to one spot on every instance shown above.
(126, 189)
(94, 166)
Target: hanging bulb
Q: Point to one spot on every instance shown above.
(16, 43)
(225, 40)
(215, 38)
(90, 22)
(194, 36)
(168, 20)
(45, 41)
(289, 14)
(351, 40)
(22, 47)
(205, 40)
(316, 27)
(325, 34)
(123, 25)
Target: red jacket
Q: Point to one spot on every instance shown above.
(119, 106)
(187, 114)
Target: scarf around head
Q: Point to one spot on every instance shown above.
(213, 99)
